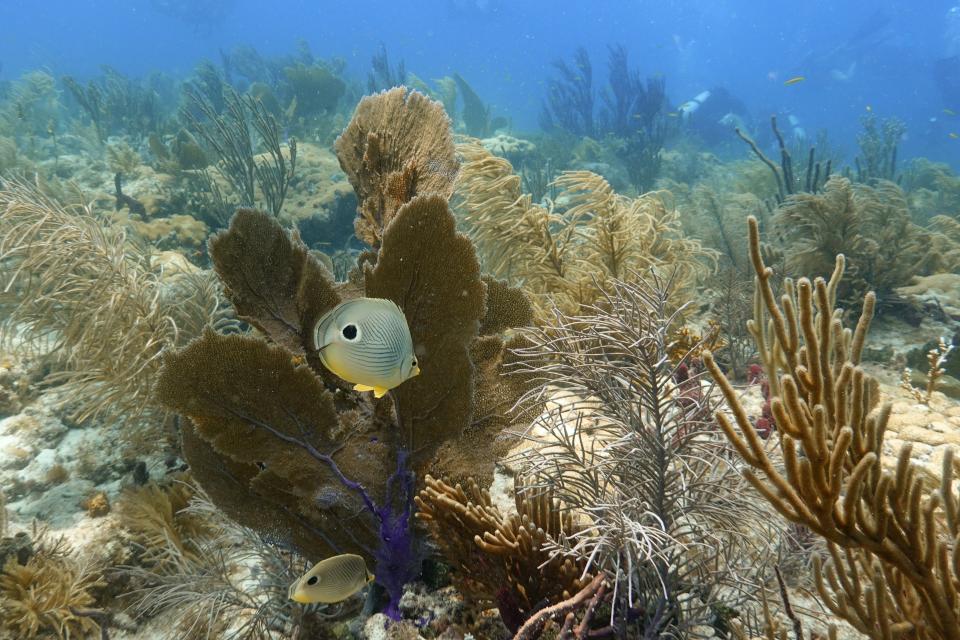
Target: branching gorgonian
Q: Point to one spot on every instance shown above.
(100, 303)
(625, 437)
(234, 586)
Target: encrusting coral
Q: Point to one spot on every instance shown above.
(276, 440)
(892, 568)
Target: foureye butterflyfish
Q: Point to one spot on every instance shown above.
(367, 341)
(332, 580)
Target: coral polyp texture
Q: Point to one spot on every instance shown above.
(398, 145)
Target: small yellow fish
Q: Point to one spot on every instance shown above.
(332, 580)
(673, 114)
(367, 341)
(869, 109)
(950, 112)
(953, 135)
(794, 80)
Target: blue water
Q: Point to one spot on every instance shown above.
(505, 49)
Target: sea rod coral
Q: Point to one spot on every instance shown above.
(280, 443)
(892, 566)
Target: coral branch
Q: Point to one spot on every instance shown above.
(533, 627)
(888, 572)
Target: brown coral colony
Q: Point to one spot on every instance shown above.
(308, 454)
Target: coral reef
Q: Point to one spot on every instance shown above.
(513, 149)
(31, 115)
(932, 189)
(878, 149)
(633, 116)
(504, 561)
(936, 360)
(71, 278)
(382, 76)
(154, 516)
(475, 114)
(122, 158)
(589, 599)
(320, 203)
(216, 578)
(174, 231)
(227, 132)
(42, 595)
(116, 104)
(855, 220)
(163, 407)
(395, 148)
(788, 182)
(315, 89)
(569, 102)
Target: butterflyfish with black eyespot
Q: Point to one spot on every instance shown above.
(367, 341)
(332, 580)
